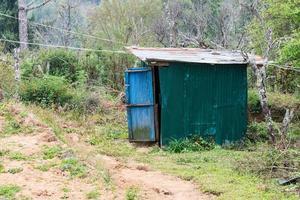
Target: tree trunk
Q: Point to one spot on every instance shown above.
(260, 73)
(289, 114)
(23, 25)
(17, 70)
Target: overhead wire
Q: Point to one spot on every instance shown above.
(60, 29)
(63, 47)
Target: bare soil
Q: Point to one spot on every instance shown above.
(52, 184)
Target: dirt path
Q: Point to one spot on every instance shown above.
(153, 184)
(22, 156)
(108, 175)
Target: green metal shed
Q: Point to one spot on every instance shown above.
(195, 91)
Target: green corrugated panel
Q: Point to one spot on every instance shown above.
(210, 100)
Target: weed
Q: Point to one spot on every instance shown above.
(2, 169)
(65, 196)
(132, 193)
(11, 127)
(106, 178)
(15, 170)
(257, 132)
(189, 144)
(9, 191)
(51, 152)
(17, 156)
(73, 167)
(66, 190)
(269, 162)
(3, 152)
(45, 167)
(93, 195)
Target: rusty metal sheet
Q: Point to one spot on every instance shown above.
(189, 55)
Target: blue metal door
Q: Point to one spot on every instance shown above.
(140, 104)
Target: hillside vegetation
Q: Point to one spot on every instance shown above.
(63, 124)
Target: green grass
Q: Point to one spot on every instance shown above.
(17, 156)
(45, 167)
(51, 152)
(93, 195)
(3, 152)
(66, 191)
(132, 193)
(2, 168)
(215, 171)
(9, 191)
(74, 167)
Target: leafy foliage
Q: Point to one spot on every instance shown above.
(283, 18)
(7, 83)
(74, 167)
(9, 191)
(51, 152)
(189, 144)
(47, 91)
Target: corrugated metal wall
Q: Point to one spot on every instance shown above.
(210, 100)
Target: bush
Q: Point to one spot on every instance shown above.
(267, 161)
(253, 101)
(7, 80)
(190, 144)
(107, 68)
(55, 62)
(47, 91)
(257, 132)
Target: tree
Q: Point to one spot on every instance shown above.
(202, 23)
(9, 27)
(270, 38)
(283, 18)
(23, 8)
(125, 22)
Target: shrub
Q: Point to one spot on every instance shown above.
(60, 62)
(106, 68)
(190, 144)
(74, 167)
(47, 91)
(9, 191)
(267, 161)
(54, 62)
(7, 80)
(257, 132)
(253, 101)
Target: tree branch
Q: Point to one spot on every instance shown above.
(39, 6)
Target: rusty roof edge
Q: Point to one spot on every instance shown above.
(259, 60)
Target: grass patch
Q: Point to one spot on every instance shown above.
(2, 168)
(4, 153)
(189, 144)
(15, 170)
(73, 167)
(9, 191)
(214, 170)
(66, 191)
(45, 167)
(132, 193)
(17, 156)
(11, 127)
(51, 152)
(93, 195)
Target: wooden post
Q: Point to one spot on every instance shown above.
(17, 70)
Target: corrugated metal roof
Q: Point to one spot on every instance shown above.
(189, 55)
